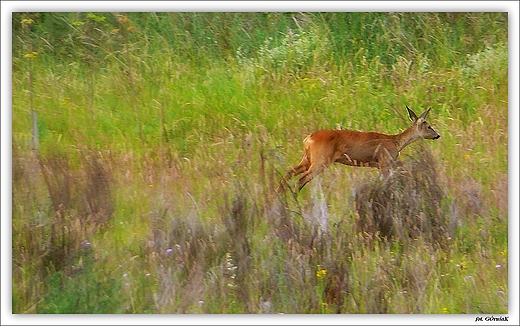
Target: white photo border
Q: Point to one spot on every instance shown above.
(8, 7)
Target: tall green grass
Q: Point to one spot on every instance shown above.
(163, 135)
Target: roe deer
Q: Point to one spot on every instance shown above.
(356, 148)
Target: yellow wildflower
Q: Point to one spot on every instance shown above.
(27, 21)
(321, 273)
(31, 55)
(123, 19)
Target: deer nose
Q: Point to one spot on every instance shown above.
(437, 137)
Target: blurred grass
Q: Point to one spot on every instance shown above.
(162, 135)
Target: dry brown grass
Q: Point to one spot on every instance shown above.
(407, 205)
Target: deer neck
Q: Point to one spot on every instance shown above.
(406, 138)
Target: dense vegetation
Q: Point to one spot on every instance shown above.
(146, 148)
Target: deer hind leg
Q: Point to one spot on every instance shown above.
(315, 168)
(296, 170)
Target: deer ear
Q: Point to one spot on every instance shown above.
(425, 113)
(412, 115)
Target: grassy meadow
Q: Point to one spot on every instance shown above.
(147, 147)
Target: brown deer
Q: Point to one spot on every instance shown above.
(356, 148)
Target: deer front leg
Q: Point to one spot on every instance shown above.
(386, 162)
